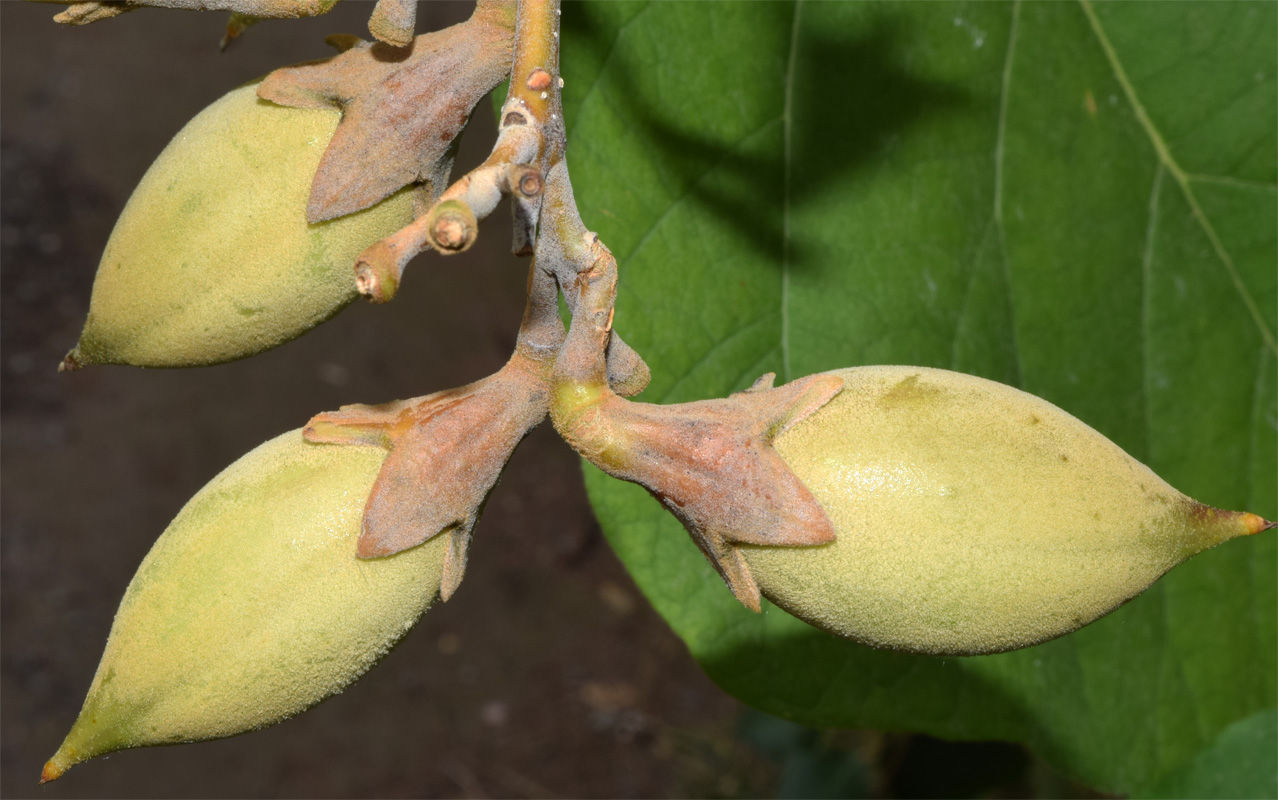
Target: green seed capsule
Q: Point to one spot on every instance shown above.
(252, 606)
(212, 258)
(972, 517)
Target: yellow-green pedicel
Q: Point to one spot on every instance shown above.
(972, 517)
(212, 258)
(252, 606)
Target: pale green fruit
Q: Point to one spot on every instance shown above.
(212, 258)
(252, 606)
(972, 517)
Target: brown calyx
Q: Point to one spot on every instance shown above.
(711, 463)
(447, 449)
(402, 106)
(393, 21)
(446, 453)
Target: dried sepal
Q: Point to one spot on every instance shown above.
(236, 25)
(393, 21)
(402, 106)
(84, 13)
(711, 463)
(628, 374)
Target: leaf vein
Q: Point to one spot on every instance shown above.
(999, 158)
(603, 67)
(1226, 180)
(787, 116)
(1146, 269)
(1182, 179)
(728, 154)
(967, 292)
(705, 357)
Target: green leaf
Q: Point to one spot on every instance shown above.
(1075, 199)
(1242, 762)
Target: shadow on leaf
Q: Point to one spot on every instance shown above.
(852, 98)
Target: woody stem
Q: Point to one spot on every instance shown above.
(565, 248)
(534, 74)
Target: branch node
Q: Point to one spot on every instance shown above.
(377, 272)
(453, 228)
(528, 182)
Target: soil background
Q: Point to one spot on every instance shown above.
(547, 675)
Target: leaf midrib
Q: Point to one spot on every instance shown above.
(1178, 173)
(787, 123)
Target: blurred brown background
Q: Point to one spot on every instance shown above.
(546, 676)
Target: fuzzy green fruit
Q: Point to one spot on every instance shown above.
(252, 606)
(972, 517)
(212, 258)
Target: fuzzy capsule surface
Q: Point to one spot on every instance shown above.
(252, 606)
(212, 258)
(972, 517)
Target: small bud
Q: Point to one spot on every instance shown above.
(529, 183)
(377, 272)
(252, 606)
(452, 227)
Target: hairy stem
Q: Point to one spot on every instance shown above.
(534, 75)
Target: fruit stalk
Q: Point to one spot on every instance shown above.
(711, 463)
(447, 449)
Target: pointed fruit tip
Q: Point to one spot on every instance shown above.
(1255, 524)
(71, 362)
(51, 771)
